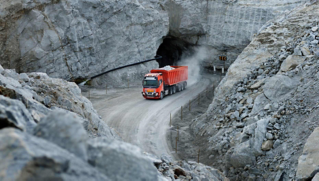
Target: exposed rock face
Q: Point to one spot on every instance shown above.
(73, 39)
(225, 27)
(76, 39)
(256, 89)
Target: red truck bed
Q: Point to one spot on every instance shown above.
(171, 77)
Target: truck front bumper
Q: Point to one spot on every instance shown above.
(150, 95)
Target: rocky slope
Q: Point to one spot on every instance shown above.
(78, 39)
(49, 131)
(266, 107)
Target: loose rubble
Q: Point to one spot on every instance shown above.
(185, 170)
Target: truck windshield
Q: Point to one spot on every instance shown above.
(150, 83)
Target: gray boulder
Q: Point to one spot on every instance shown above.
(308, 162)
(260, 133)
(119, 160)
(259, 104)
(245, 153)
(14, 114)
(64, 130)
(242, 155)
(25, 157)
(278, 87)
(316, 178)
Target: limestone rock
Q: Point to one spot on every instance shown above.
(14, 114)
(73, 39)
(242, 155)
(119, 160)
(245, 153)
(259, 103)
(316, 178)
(305, 51)
(278, 87)
(267, 145)
(260, 133)
(291, 62)
(308, 162)
(257, 84)
(64, 130)
(25, 157)
(269, 136)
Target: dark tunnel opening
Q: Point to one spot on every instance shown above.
(173, 50)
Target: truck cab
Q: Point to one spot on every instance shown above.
(153, 86)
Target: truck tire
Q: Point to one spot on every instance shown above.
(170, 91)
(178, 88)
(174, 89)
(162, 95)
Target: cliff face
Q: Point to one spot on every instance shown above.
(76, 39)
(73, 39)
(226, 27)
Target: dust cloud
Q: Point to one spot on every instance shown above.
(193, 60)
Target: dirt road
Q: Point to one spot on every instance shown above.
(139, 121)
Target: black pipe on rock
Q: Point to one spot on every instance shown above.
(157, 57)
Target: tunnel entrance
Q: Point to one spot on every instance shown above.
(172, 50)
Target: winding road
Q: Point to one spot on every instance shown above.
(142, 122)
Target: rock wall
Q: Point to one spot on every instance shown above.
(78, 39)
(224, 26)
(265, 107)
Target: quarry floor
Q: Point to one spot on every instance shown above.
(146, 123)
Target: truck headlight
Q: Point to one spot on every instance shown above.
(156, 94)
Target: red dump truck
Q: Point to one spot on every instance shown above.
(164, 81)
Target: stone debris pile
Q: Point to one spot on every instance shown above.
(167, 67)
(185, 170)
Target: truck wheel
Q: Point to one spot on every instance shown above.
(178, 88)
(174, 89)
(162, 95)
(170, 91)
